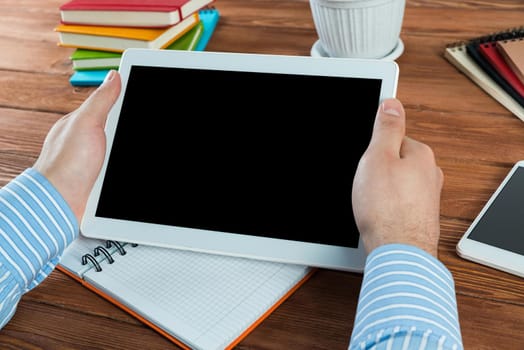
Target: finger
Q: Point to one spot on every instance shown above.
(408, 146)
(411, 147)
(389, 128)
(440, 175)
(97, 105)
(422, 154)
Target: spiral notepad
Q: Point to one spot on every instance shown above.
(199, 301)
(466, 57)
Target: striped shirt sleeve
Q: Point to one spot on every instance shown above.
(407, 301)
(36, 225)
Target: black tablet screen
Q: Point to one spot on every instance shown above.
(261, 154)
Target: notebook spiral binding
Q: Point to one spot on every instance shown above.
(516, 33)
(91, 257)
(508, 34)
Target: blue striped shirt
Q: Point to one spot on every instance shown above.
(36, 225)
(407, 301)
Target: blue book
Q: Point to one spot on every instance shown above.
(88, 77)
(209, 18)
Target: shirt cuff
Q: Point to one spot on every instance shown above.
(36, 225)
(407, 295)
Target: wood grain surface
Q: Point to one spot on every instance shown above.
(475, 139)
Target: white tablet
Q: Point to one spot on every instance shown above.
(246, 155)
(496, 236)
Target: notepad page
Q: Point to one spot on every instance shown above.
(205, 301)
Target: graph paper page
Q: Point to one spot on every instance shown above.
(205, 301)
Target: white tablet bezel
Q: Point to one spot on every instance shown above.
(305, 253)
(486, 254)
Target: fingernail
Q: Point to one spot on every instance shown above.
(109, 76)
(391, 107)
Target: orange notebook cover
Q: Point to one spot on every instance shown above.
(491, 53)
(196, 300)
(513, 53)
(118, 39)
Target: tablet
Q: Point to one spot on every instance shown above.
(495, 238)
(249, 155)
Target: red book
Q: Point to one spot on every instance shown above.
(129, 13)
(491, 53)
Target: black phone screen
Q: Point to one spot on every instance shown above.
(502, 224)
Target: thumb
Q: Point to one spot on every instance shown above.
(97, 105)
(390, 127)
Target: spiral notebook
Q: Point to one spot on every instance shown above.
(465, 56)
(491, 53)
(512, 51)
(198, 301)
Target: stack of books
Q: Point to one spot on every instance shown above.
(101, 30)
(495, 62)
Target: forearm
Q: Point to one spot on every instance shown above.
(407, 301)
(36, 225)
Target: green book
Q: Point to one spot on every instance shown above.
(189, 40)
(84, 59)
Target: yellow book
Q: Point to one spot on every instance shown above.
(118, 39)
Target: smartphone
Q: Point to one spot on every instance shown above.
(496, 236)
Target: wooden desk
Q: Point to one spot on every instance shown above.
(475, 140)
